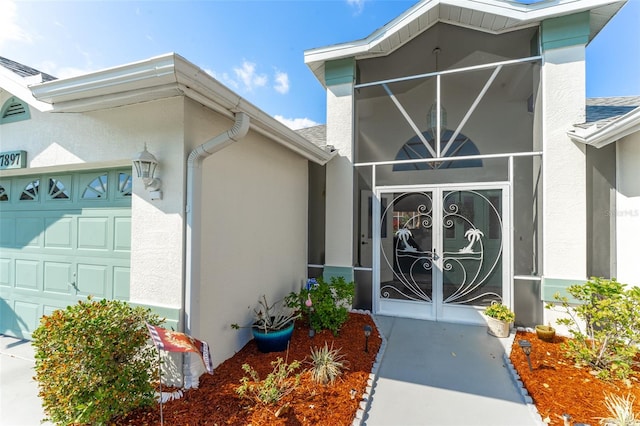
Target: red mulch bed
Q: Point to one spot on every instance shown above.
(557, 386)
(215, 402)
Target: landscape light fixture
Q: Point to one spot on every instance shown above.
(367, 333)
(145, 164)
(525, 345)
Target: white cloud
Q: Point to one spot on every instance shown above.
(9, 28)
(296, 123)
(281, 82)
(358, 5)
(248, 76)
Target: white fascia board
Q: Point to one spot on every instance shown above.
(612, 132)
(164, 77)
(122, 79)
(525, 15)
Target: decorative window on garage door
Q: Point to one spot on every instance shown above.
(30, 191)
(4, 194)
(59, 188)
(98, 187)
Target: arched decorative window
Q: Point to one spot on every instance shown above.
(14, 110)
(4, 195)
(97, 188)
(57, 190)
(125, 184)
(414, 149)
(30, 191)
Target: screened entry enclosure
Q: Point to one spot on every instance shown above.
(448, 172)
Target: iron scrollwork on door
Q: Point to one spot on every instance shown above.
(411, 264)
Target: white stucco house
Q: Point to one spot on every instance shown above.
(460, 164)
(228, 222)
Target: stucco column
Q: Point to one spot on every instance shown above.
(339, 77)
(564, 164)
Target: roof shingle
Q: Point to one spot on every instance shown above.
(23, 70)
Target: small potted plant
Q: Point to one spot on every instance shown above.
(272, 325)
(545, 332)
(499, 318)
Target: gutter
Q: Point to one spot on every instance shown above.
(612, 132)
(192, 281)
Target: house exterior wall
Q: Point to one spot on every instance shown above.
(564, 182)
(627, 213)
(601, 224)
(110, 138)
(254, 235)
(339, 237)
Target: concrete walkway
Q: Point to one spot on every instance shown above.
(19, 401)
(435, 373)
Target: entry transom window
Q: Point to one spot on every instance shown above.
(414, 149)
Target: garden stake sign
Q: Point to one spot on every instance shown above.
(173, 341)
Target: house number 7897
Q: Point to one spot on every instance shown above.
(12, 160)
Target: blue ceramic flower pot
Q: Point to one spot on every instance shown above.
(274, 341)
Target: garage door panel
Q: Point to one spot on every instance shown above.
(5, 272)
(27, 274)
(121, 278)
(28, 315)
(92, 280)
(7, 232)
(58, 277)
(58, 233)
(122, 234)
(29, 231)
(93, 233)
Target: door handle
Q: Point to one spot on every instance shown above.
(364, 242)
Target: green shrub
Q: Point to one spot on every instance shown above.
(94, 362)
(326, 364)
(609, 314)
(330, 302)
(276, 385)
(500, 312)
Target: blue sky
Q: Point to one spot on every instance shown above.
(254, 47)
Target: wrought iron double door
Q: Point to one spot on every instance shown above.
(441, 252)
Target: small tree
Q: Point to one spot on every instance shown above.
(93, 361)
(611, 332)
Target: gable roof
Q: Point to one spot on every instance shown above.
(492, 16)
(151, 79)
(608, 120)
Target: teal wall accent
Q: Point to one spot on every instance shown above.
(551, 286)
(339, 71)
(565, 31)
(338, 271)
(172, 316)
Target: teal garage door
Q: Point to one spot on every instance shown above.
(63, 237)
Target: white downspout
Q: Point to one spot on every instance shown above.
(193, 218)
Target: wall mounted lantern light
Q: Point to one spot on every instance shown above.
(145, 164)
